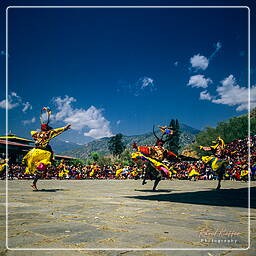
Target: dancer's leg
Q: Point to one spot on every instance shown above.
(37, 177)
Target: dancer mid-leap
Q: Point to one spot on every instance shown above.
(40, 157)
(154, 157)
(216, 161)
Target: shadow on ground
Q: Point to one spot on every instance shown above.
(50, 190)
(223, 197)
(158, 190)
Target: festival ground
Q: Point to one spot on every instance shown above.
(82, 214)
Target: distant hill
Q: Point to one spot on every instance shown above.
(60, 146)
(147, 139)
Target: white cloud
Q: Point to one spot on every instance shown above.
(9, 105)
(64, 107)
(218, 46)
(118, 122)
(199, 81)
(30, 121)
(204, 95)
(147, 81)
(231, 94)
(80, 119)
(176, 63)
(199, 62)
(14, 101)
(26, 106)
(144, 84)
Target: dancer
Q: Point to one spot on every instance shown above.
(217, 149)
(40, 157)
(217, 164)
(154, 157)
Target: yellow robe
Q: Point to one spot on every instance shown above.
(34, 157)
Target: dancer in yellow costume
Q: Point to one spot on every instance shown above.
(217, 149)
(40, 157)
(217, 164)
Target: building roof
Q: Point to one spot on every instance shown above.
(10, 138)
(11, 143)
(14, 143)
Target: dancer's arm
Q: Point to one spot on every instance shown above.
(58, 131)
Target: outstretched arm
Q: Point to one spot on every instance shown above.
(58, 131)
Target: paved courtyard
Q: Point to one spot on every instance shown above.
(123, 214)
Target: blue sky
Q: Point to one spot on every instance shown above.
(107, 71)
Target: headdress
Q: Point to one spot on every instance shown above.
(44, 125)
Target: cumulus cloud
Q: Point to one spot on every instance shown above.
(91, 118)
(204, 95)
(14, 101)
(30, 121)
(231, 94)
(199, 81)
(199, 62)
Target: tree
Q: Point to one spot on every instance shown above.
(116, 145)
(126, 157)
(230, 130)
(174, 139)
(95, 156)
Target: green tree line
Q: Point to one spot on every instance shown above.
(232, 129)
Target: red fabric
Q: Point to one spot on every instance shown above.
(44, 127)
(171, 154)
(144, 150)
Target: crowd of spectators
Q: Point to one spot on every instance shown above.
(236, 153)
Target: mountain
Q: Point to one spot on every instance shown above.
(146, 139)
(59, 146)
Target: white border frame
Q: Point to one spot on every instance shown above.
(131, 249)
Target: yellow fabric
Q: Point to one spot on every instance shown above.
(118, 172)
(92, 173)
(215, 163)
(43, 138)
(153, 161)
(244, 173)
(2, 166)
(34, 157)
(134, 173)
(219, 143)
(193, 172)
(63, 173)
(94, 168)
